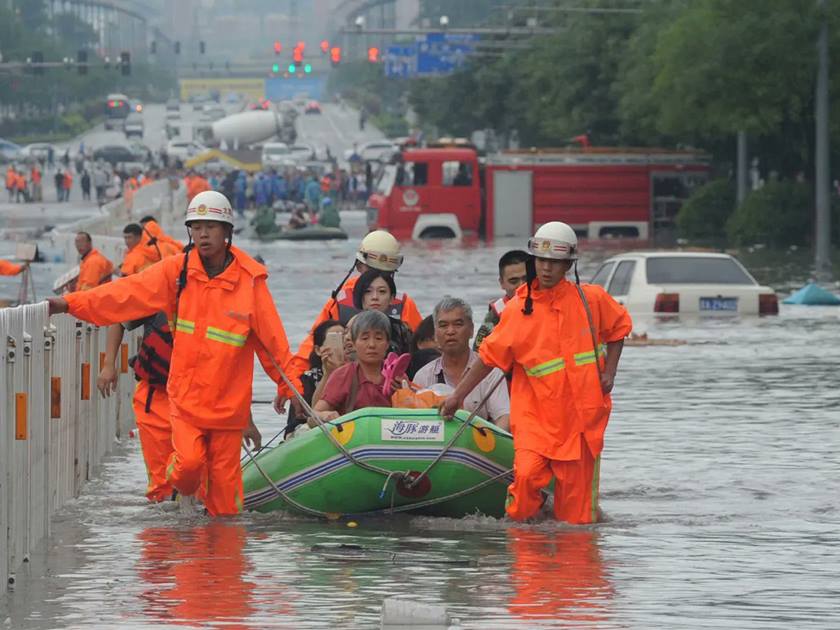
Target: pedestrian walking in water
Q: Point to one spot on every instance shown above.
(58, 178)
(86, 185)
(222, 312)
(35, 183)
(563, 342)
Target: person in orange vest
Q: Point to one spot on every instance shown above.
(138, 256)
(553, 336)
(11, 269)
(150, 401)
(94, 268)
(512, 275)
(35, 179)
(67, 184)
(222, 313)
(195, 184)
(21, 187)
(155, 233)
(11, 182)
(378, 250)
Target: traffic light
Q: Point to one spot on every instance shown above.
(335, 55)
(297, 54)
(275, 68)
(373, 54)
(292, 68)
(307, 69)
(278, 47)
(125, 63)
(81, 62)
(325, 46)
(202, 47)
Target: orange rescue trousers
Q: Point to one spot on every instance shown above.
(575, 486)
(210, 456)
(155, 433)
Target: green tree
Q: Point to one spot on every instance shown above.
(779, 214)
(704, 215)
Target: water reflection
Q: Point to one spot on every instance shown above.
(558, 575)
(196, 575)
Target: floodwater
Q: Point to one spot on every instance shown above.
(720, 488)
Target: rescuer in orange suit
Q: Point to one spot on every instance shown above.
(195, 184)
(138, 256)
(222, 312)
(378, 250)
(552, 335)
(94, 268)
(153, 229)
(11, 269)
(150, 402)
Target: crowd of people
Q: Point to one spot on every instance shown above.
(542, 366)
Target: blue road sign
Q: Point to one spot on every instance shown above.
(400, 61)
(284, 89)
(430, 55)
(443, 53)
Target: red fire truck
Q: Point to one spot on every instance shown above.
(603, 193)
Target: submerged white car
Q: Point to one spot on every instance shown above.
(684, 283)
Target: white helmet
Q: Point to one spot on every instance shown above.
(555, 240)
(380, 250)
(209, 206)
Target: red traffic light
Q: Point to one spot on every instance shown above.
(278, 47)
(297, 54)
(373, 54)
(335, 54)
(325, 46)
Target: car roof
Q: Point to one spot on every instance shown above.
(667, 254)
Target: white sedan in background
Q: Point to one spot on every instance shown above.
(685, 283)
(184, 149)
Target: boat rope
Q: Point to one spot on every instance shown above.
(412, 480)
(280, 493)
(468, 422)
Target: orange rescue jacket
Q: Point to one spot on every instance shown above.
(221, 322)
(137, 259)
(94, 269)
(555, 392)
(10, 269)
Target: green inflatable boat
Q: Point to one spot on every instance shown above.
(382, 460)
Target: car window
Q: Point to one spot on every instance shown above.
(620, 283)
(412, 174)
(695, 270)
(600, 277)
(457, 173)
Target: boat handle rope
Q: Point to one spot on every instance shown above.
(468, 422)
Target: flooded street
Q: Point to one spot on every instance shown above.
(719, 483)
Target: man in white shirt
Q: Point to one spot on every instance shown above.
(453, 330)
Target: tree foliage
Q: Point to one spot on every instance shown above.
(704, 215)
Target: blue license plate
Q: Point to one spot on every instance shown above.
(718, 304)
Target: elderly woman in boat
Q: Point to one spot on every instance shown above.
(359, 383)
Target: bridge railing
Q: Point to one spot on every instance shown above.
(55, 427)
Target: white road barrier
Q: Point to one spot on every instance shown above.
(55, 427)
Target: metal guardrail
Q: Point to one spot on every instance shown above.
(55, 428)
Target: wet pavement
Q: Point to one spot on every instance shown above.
(719, 486)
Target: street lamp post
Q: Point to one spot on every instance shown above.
(822, 258)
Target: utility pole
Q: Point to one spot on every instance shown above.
(741, 168)
(822, 262)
